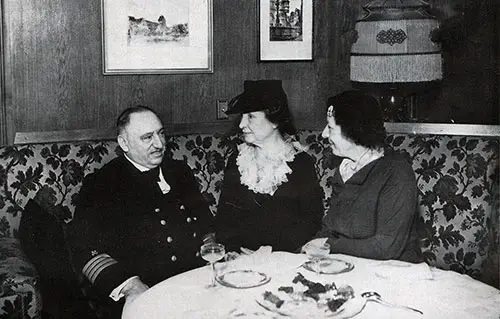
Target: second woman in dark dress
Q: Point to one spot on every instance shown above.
(373, 208)
(270, 194)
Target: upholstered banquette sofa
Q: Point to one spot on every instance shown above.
(457, 176)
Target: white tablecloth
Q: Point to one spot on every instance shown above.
(437, 293)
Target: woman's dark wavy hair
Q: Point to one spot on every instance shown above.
(360, 118)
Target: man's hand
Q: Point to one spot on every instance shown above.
(133, 289)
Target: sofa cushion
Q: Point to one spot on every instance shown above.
(458, 179)
(19, 292)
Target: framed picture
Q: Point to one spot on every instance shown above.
(286, 30)
(157, 36)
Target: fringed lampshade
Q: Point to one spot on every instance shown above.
(393, 49)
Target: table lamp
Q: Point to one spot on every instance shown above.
(394, 56)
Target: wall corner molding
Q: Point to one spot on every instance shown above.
(3, 105)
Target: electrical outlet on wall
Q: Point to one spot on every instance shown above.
(221, 109)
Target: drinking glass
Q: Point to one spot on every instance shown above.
(316, 252)
(212, 252)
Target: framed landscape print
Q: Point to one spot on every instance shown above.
(286, 30)
(157, 36)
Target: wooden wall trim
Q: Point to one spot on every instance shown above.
(444, 129)
(63, 136)
(110, 133)
(3, 105)
(223, 127)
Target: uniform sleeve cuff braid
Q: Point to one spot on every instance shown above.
(96, 265)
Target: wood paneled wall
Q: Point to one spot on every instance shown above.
(54, 80)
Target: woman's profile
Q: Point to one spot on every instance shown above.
(373, 208)
(270, 193)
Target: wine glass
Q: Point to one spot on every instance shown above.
(212, 252)
(316, 252)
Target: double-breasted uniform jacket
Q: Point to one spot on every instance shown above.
(125, 226)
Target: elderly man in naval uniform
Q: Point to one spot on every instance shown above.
(139, 219)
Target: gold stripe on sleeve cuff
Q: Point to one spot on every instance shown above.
(97, 264)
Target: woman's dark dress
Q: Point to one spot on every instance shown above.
(286, 220)
(374, 213)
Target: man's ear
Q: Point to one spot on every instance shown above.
(122, 141)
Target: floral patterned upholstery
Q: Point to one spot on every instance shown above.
(19, 294)
(458, 179)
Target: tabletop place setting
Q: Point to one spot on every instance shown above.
(234, 275)
(302, 297)
(313, 284)
(320, 262)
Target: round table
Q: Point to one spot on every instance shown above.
(437, 293)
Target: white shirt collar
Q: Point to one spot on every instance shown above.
(165, 188)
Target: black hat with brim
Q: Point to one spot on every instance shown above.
(258, 96)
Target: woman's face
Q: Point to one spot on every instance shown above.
(256, 127)
(339, 144)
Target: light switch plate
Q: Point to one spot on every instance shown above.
(221, 109)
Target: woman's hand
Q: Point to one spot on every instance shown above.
(246, 251)
(231, 255)
(316, 242)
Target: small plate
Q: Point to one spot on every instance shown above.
(307, 308)
(270, 307)
(330, 266)
(243, 279)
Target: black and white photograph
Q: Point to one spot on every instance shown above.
(285, 20)
(249, 159)
(285, 30)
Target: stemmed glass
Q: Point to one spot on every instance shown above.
(315, 253)
(212, 252)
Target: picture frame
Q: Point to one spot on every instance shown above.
(287, 36)
(157, 36)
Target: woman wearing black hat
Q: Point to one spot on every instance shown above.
(373, 210)
(270, 194)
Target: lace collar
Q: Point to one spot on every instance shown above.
(263, 172)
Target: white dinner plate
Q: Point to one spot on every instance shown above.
(330, 266)
(243, 279)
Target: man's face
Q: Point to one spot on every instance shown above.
(143, 139)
